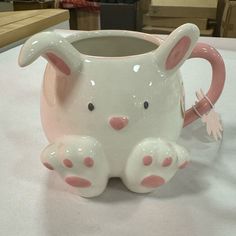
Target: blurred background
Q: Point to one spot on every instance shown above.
(22, 18)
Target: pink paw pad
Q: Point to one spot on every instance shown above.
(77, 182)
(147, 160)
(48, 166)
(152, 181)
(68, 163)
(88, 161)
(184, 165)
(167, 162)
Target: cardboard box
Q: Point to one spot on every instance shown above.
(228, 23)
(189, 3)
(184, 8)
(142, 8)
(163, 30)
(20, 5)
(173, 22)
(87, 20)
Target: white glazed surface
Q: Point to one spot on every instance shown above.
(199, 200)
(120, 97)
(118, 87)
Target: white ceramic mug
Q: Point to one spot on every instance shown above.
(112, 104)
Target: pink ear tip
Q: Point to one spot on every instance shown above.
(178, 52)
(59, 63)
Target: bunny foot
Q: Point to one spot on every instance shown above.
(80, 161)
(152, 163)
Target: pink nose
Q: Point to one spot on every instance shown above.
(118, 123)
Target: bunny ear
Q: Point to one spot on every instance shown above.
(54, 48)
(176, 48)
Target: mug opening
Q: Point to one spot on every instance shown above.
(114, 46)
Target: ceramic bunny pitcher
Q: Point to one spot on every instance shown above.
(112, 104)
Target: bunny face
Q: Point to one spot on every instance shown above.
(127, 85)
(111, 106)
(122, 100)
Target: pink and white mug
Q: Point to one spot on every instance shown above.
(112, 104)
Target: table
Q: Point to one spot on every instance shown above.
(18, 25)
(199, 201)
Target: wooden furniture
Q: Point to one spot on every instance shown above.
(20, 5)
(18, 25)
(165, 15)
(120, 16)
(184, 8)
(82, 19)
(167, 30)
(228, 22)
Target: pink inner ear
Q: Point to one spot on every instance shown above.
(59, 63)
(178, 52)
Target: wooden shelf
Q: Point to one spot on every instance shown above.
(163, 30)
(17, 25)
(183, 3)
(183, 8)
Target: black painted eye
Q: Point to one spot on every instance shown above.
(146, 105)
(91, 106)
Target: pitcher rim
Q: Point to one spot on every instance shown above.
(81, 35)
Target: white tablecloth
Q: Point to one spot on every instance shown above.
(200, 200)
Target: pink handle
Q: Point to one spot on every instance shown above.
(209, 53)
